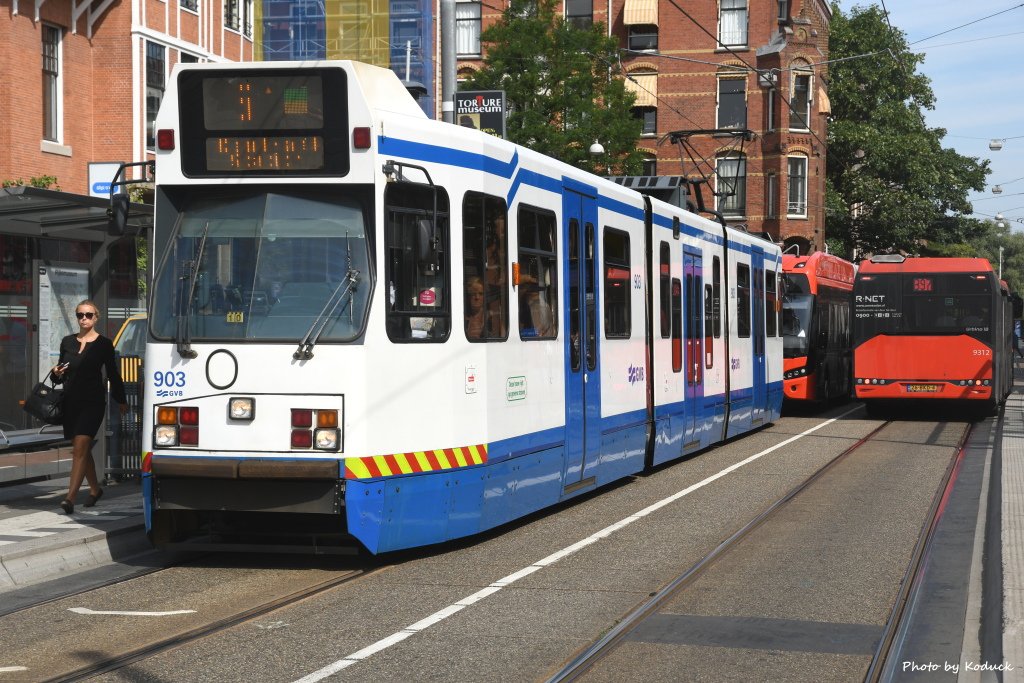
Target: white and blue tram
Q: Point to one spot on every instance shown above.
(368, 325)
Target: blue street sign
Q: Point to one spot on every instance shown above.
(101, 188)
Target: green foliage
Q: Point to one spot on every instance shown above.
(564, 87)
(43, 182)
(890, 183)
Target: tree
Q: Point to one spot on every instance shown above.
(563, 85)
(890, 183)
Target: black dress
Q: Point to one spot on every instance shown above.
(85, 394)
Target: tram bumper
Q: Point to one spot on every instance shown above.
(247, 485)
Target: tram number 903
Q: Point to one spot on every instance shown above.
(169, 378)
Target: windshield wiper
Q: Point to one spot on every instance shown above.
(184, 335)
(305, 349)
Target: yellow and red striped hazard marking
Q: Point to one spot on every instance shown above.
(418, 461)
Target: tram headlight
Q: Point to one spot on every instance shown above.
(165, 435)
(326, 439)
(242, 408)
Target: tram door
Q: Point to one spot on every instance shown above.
(757, 336)
(693, 322)
(582, 360)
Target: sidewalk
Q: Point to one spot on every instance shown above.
(38, 542)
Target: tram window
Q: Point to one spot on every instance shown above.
(665, 279)
(770, 299)
(485, 267)
(617, 282)
(677, 325)
(716, 296)
(743, 300)
(709, 351)
(538, 274)
(417, 244)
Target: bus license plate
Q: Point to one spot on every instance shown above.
(923, 388)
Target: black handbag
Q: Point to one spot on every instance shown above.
(44, 403)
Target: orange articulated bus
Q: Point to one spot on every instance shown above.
(932, 329)
(817, 361)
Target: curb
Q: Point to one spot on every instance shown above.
(48, 558)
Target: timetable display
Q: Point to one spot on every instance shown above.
(262, 121)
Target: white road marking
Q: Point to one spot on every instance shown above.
(454, 608)
(8, 467)
(12, 669)
(86, 610)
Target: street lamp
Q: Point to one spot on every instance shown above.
(998, 189)
(995, 144)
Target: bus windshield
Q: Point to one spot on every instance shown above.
(262, 265)
(796, 325)
(923, 304)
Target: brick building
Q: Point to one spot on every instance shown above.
(712, 70)
(82, 79)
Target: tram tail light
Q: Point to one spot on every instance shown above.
(302, 438)
(165, 139)
(361, 137)
(318, 429)
(176, 427)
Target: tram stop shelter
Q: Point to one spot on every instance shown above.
(57, 248)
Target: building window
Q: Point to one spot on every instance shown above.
(771, 189)
(648, 116)
(732, 22)
(783, 11)
(52, 128)
(643, 37)
(238, 16)
(467, 28)
(732, 186)
(732, 103)
(191, 5)
(797, 186)
(650, 167)
(770, 95)
(186, 58)
(800, 103)
(579, 13)
(618, 281)
(156, 64)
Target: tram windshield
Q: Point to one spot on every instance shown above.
(263, 265)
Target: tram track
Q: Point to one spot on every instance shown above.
(578, 667)
(198, 633)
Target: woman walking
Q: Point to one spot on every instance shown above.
(83, 356)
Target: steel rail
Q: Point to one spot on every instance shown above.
(200, 632)
(915, 570)
(579, 665)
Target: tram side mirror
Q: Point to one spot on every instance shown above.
(117, 214)
(426, 249)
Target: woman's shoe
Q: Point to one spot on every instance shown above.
(92, 499)
(67, 506)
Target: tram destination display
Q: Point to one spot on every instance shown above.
(274, 123)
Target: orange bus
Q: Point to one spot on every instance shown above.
(932, 328)
(817, 363)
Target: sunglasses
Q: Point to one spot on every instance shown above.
(88, 315)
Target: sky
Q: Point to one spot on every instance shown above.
(976, 69)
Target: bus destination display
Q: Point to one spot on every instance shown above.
(277, 123)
